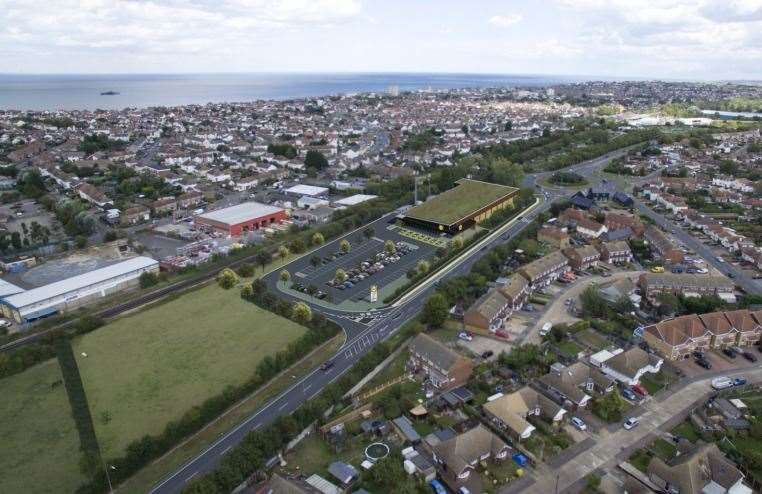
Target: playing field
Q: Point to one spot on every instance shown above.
(39, 445)
(143, 370)
(459, 202)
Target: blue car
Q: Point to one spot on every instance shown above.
(739, 381)
(437, 487)
(629, 394)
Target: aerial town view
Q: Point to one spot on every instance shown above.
(343, 246)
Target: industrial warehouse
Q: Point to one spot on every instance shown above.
(248, 216)
(463, 206)
(37, 303)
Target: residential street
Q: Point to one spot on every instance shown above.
(661, 413)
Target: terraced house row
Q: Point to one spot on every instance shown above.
(678, 338)
(490, 311)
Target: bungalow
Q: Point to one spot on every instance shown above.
(440, 366)
(679, 337)
(572, 384)
(629, 366)
(510, 412)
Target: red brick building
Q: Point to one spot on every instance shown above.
(248, 216)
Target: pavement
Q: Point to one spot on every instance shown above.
(661, 413)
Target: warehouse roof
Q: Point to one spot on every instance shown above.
(40, 294)
(458, 203)
(306, 190)
(7, 288)
(240, 213)
(355, 199)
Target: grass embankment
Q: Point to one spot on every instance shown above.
(39, 449)
(145, 369)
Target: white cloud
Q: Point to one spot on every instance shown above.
(505, 20)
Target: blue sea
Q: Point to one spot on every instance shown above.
(83, 92)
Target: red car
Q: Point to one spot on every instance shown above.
(640, 390)
(501, 334)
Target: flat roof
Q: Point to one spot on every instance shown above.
(459, 202)
(306, 190)
(42, 293)
(240, 213)
(7, 288)
(355, 199)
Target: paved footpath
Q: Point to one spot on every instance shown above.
(614, 447)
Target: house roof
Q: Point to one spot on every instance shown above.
(512, 408)
(536, 268)
(742, 320)
(716, 323)
(691, 472)
(631, 361)
(436, 352)
(462, 450)
(679, 330)
(570, 379)
(490, 304)
(515, 286)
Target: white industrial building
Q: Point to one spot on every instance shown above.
(307, 190)
(60, 296)
(354, 200)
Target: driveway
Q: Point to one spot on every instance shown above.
(556, 312)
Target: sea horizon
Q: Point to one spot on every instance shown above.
(71, 92)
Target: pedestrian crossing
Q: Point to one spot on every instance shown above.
(362, 343)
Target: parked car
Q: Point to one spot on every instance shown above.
(749, 356)
(437, 487)
(702, 362)
(5, 323)
(465, 335)
(729, 352)
(722, 382)
(488, 354)
(579, 423)
(630, 423)
(629, 394)
(640, 390)
(545, 329)
(739, 381)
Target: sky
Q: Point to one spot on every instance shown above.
(678, 39)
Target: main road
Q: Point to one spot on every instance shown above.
(361, 337)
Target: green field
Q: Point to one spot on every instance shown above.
(145, 369)
(460, 201)
(39, 445)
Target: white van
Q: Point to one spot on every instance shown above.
(722, 382)
(545, 329)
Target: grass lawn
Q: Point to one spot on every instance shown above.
(145, 369)
(640, 460)
(569, 348)
(314, 455)
(687, 430)
(592, 339)
(39, 449)
(749, 447)
(663, 449)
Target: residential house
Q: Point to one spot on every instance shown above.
(246, 183)
(285, 485)
(581, 258)
(93, 195)
(688, 285)
(616, 221)
(163, 206)
(516, 291)
(135, 215)
(459, 456)
(753, 256)
(553, 236)
(662, 246)
(488, 312)
(442, 368)
(748, 324)
(590, 229)
(617, 252)
(511, 412)
(190, 199)
(723, 333)
(629, 366)
(679, 337)
(705, 470)
(545, 270)
(574, 385)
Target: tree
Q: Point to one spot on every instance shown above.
(16, 240)
(345, 246)
(246, 270)
(593, 305)
(435, 310)
(148, 279)
(227, 278)
(340, 276)
(423, 266)
(315, 159)
(247, 291)
(285, 276)
(263, 258)
(315, 261)
(611, 407)
(368, 233)
(318, 239)
(80, 241)
(301, 313)
(283, 252)
(508, 126)
(389, 247)
(457, 243)
(311, 290)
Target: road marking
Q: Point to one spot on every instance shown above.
(188, 479)
(307, 387)
(226, 449)
(283, 406)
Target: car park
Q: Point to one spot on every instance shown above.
(630, 423)
(579, 423)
